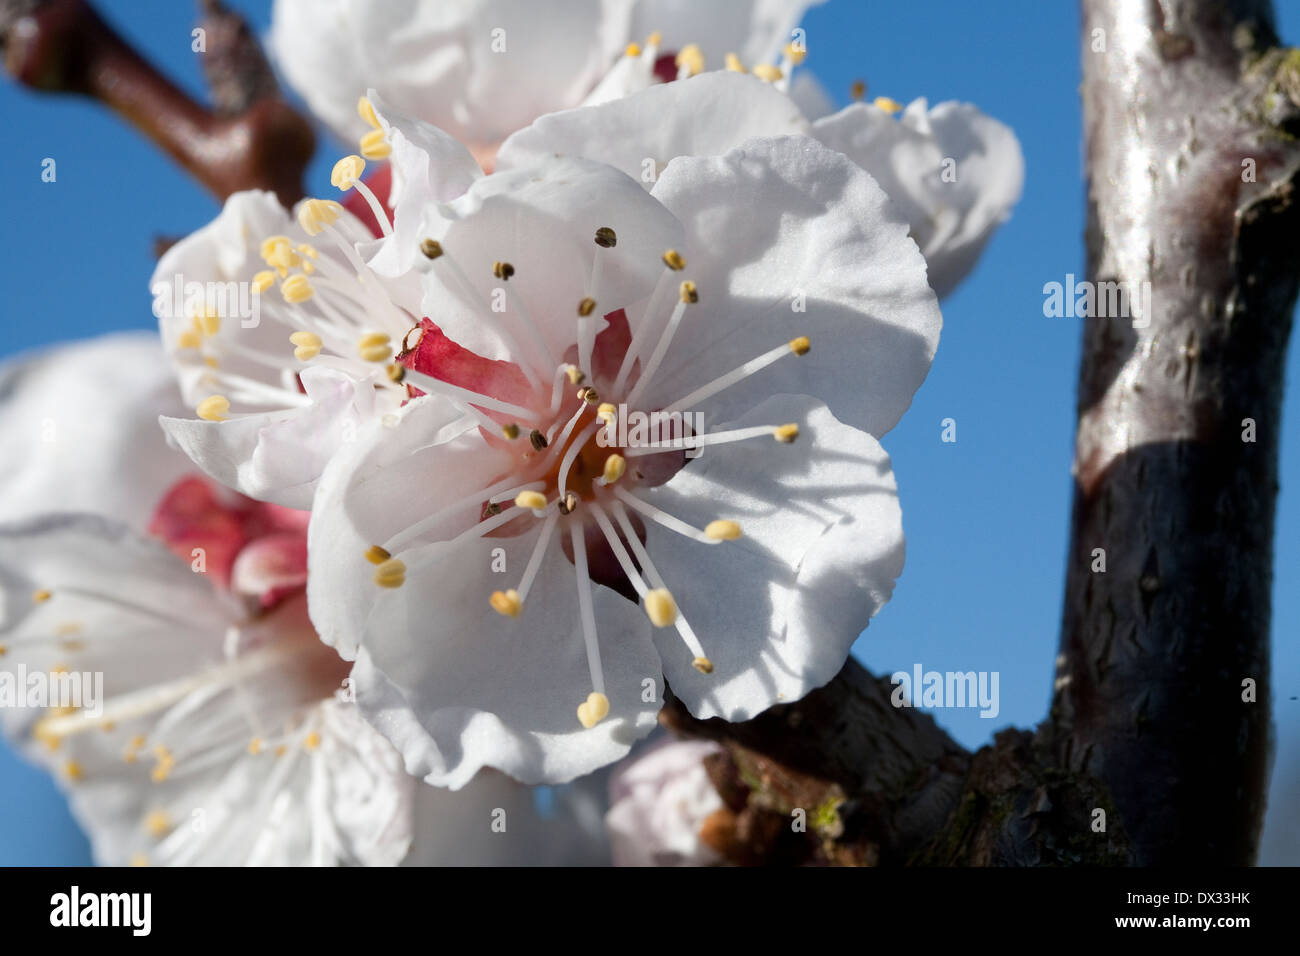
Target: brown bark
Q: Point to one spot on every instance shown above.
(251, 140)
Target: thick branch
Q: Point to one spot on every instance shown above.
(1192, 165)
(254, 141)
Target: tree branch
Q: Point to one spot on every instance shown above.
(1184, 103)
(253, 140)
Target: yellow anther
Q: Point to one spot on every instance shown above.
(308, 250)
(534, 500)
(506, 603)
(139, 859)
(794, 54)
(137, 742)
(734, 64)
(311, 741)
(133, 748)
(593, 710)
(189, 339)
(767, 72)
(691, 59)
(210, 322)
(654, 39)
(632, 49)
(375, 347)
(586, 307)
(213, 408)
(366, 110)
(347, 171)
(673, 260)
(858, 90)
(41, 596)
(277, 251)
(396, 373)
(703, 665)
(162, 769)
(73, 770)
(3, 650)
(374, 145)
(722, 530)
(801, 345)
(391, 574)
(263, 281)
(589, 395)
(786, 433)
(255, 746)
(296, 289)
(606, 237)
(503, 270)
(158, 824)
(307, 345)
(377, 555)
(615, 468)
(315, 214)
(886, 104)
(607, 412)
(510, 430)
(689, 293)
(660, 607)
(576, 375)
(431, 248)
(281, 750)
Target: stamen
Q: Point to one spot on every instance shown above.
(506, 603)
(537, 440)
(607, 412)
(734, 64)
(596, 706)
(615, 467)
(366, 110)
(606, 238)
(573, 451)
(888, 105)
(533, 500)
(375, 347)
(347, 175)
(391, 573)
(307, 345)
(716, 438)
(689, 295)
(632, 50)
(690, 61)
(296, 290)
(214, 408)
(722, 530)
(510, 430)
(797, 346)
(857, 91)
(375, 145)
(659, 516)
(377, 555)
(427, 383)
(510, 602)
(661, 606)
(768, 73)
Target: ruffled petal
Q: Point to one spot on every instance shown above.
(786, 238)
(777, 609)
(706, 115)
(954, 172)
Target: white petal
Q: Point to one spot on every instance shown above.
(542, 219)
(810, 96)
(786, 238)
(278, 456)
(705, 115)
(777, 609)
(953, 216)
(79, 427)
(479, 69)
(454, 685)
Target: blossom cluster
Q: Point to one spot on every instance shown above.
(363, 572)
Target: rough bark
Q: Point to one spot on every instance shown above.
(1186, 98)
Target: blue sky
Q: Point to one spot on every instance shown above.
(986, 517)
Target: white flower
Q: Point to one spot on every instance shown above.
(953, 172)
(659, 802)
(769, 291)
(268, 420)
(223, 730)
(481, 69)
